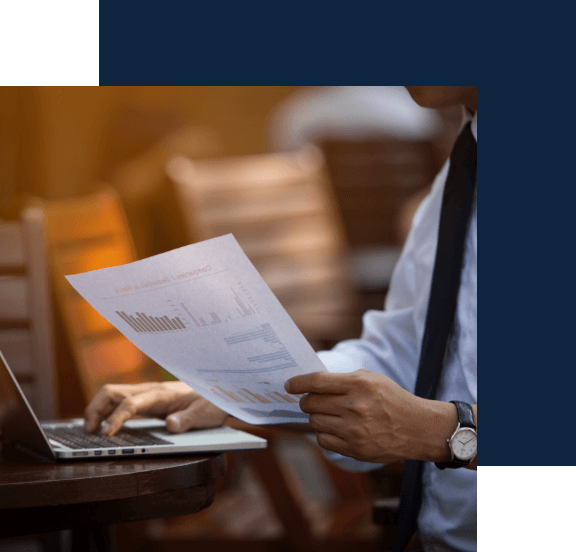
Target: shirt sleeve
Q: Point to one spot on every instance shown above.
(391, 338)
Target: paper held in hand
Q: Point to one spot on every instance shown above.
(204, 314)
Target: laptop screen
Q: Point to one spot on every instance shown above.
(18, 423)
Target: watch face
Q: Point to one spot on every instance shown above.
(464, 444)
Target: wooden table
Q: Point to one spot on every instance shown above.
(88, 496)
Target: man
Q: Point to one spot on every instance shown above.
(364, 410)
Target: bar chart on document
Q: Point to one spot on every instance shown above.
(172, 318)
(205, 315)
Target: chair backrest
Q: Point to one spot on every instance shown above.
(373, 178)
(26, 336)
(280, 209)
(83, 234)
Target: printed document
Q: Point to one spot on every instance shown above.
(204, 314)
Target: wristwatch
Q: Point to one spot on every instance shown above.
(464, 442)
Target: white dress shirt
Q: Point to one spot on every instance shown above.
(390, 344)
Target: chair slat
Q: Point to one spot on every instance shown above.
(26, 337)
(14, 298)
(281, 210)
(12, 252)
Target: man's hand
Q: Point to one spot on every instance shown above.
(367, 416)
(182, 407)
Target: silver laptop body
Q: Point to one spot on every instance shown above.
(66, 440)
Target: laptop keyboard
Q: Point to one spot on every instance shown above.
(75, 437)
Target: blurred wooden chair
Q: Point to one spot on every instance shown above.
(374, 180)
(151, 206)
(26, 329)
(281, 210)
(320, 507)
(83, 234)
(26, 336)
(287, 497)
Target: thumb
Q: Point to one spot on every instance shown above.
(183, 420)
(200, 413)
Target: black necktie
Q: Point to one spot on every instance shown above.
(455, 214)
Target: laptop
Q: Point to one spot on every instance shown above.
(66, 440)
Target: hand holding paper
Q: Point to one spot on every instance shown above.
(204, 314)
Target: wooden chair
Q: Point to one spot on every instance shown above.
(151, 207)
(320, 506)
(26, 337)
(287, 497)
(89, 233)
(373, 180)
(281, 210)
(379, 183)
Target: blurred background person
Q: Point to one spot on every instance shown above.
(317, 114)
